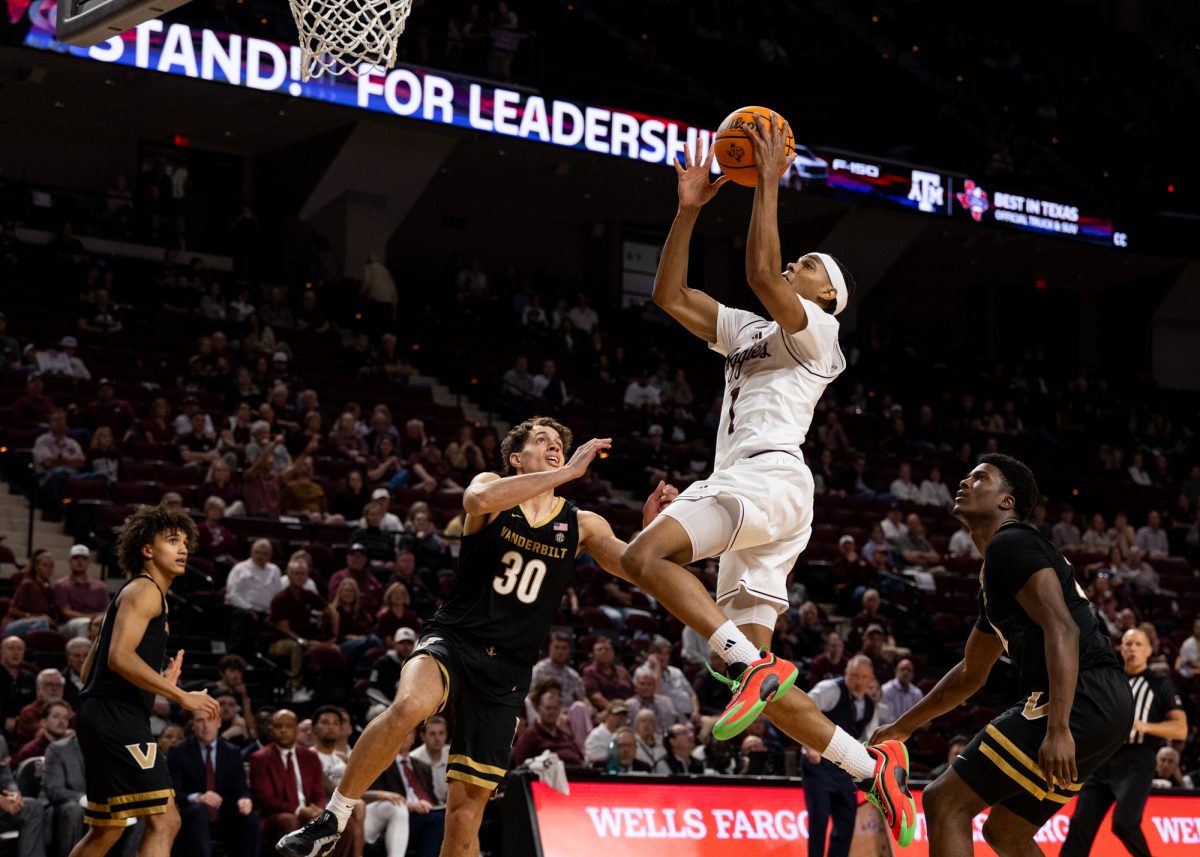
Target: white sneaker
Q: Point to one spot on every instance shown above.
(301, 694)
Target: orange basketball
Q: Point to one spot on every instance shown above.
(734, 152)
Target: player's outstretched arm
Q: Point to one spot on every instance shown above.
(140, 602)
(596, 535)
(1042, 598)
(489, 493)
(764, 264)
(690, 307)
(956, 686)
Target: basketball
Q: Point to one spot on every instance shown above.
(734, 151)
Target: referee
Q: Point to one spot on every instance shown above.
(1125, 778)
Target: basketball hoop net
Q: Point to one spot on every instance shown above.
(337, 35)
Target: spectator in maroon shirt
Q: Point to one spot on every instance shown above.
(218, 482)
(107, 410)
(605, 681)
(217, 543)
(53, 725)
(370, 589)
(414, 439)
(395, 612)
(262, 489)
(198, 447)
(297, 612)
(851, 571)
(868, 616)
(831, 663)
(351, 624)
(547, 734)
(34, 407)
(33, 607)
(346, 441)
(160, 427)
(78, 596)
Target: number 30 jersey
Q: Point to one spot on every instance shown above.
(511, 578)
(773, 381)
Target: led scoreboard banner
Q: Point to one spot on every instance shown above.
(738, 816)
(249, 62)
(856, 176)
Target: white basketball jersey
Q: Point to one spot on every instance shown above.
(773, 381)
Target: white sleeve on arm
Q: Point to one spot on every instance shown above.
(818, 341)
(825, 694)
(731, 322)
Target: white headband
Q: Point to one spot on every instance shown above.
(839, 281)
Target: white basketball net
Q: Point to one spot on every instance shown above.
(337, 35)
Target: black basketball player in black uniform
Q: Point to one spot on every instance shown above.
(1126, 777)
(1075, 709)
(126, 777)
(518, 551)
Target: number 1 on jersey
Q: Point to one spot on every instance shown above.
(525, 577)
(733, 396)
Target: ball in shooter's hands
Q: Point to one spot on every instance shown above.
(734, 152)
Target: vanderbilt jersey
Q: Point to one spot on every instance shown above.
(773, 381)
(511, 578)
(105, 682)
(1015, 554)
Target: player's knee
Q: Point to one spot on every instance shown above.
(635, 557)
(165, 822)
(408, 710)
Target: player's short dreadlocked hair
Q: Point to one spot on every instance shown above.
(1018, 480)
(518, 436)
(143, 526)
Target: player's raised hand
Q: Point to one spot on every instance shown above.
(695, 189)
(658, 500)
(772, 154)
(174, 668)
(582, 458)
(201, 701)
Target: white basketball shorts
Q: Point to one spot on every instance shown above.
(757, 516)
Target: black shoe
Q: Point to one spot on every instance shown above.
(315, 839)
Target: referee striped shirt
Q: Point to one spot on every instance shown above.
(1153, 697)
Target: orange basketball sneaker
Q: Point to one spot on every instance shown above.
(888, 790)
(759, 683)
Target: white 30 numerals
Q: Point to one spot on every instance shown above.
(527, 580)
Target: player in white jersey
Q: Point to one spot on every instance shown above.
(755, 510)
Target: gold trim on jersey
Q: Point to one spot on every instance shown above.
(558, 507)
(1013, 774)
(460, 759)
(113, 822)
(445, 677)
(135, 797)
(467, 778)
(1024, 759)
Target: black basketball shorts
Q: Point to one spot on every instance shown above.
(1000, 764)
(125, 775)
(488, 695)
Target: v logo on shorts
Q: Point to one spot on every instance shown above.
(1032, 710)
(145, 759)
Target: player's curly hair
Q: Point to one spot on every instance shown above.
(518, 436)
(143, 526)
(1019, 482)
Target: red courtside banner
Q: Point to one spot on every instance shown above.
(625, 819)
